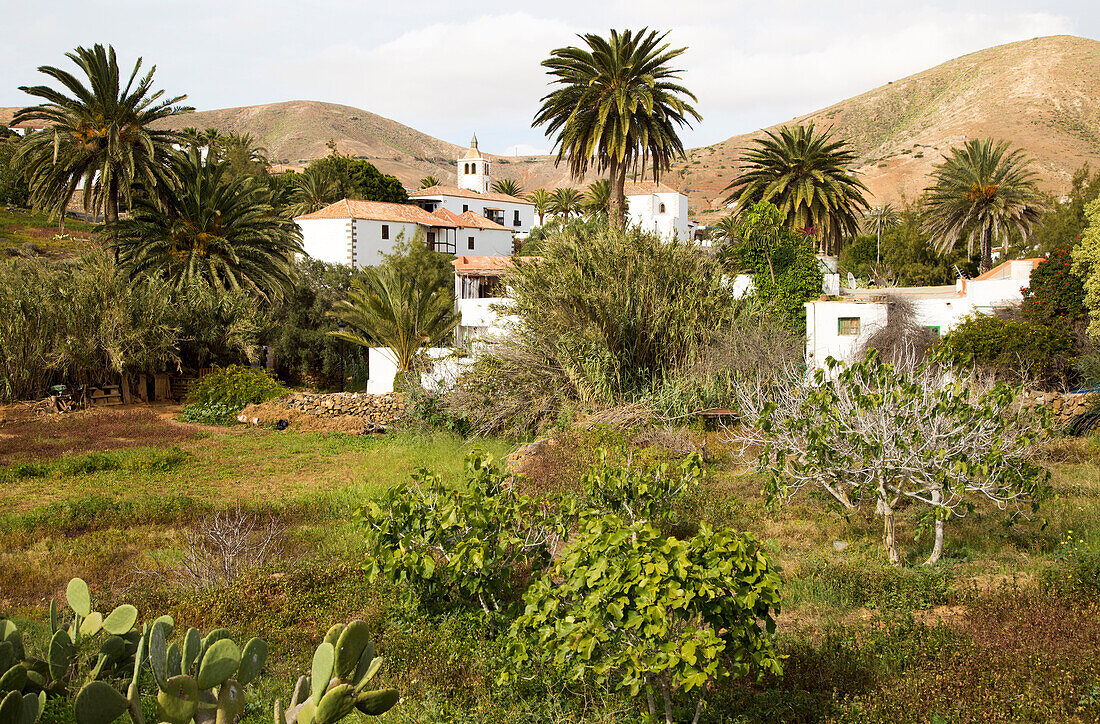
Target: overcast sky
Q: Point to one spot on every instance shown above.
(449, 68)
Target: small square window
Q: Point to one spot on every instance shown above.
(470, 243)
(385, 231)
(848, 326)
(933, 330)
(465, 208)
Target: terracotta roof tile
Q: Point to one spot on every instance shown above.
(487, 264)
(441, 190)
(378, 211)
(474, 220)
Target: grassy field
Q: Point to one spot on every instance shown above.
(19, 227)
(1006, 628)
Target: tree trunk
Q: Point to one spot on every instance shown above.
(889, 535)
(699, 705)
(666, 693)
(616, 201)
(987, 252)
(937, 544)
(649, 698)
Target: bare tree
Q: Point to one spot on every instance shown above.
(881, 432)
(222, 547)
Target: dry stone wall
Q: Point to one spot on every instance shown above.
(1063, 406)
(373, 408)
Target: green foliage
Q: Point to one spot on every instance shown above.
(224, 392)
(605, 318)
(343, 666)
(79, 322)
(1086, 263)
(639, 611)
(218, 326)
(13, 188)
(1063, 223)
(639, 492)
(471, 541)
(100, 131)
(354, 178)
(214, 228)
(810, 177)
(1015, 349)
(1055, 293)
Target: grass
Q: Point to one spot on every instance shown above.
(1005, 629)
(19, 226)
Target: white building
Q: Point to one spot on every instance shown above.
(655, 207)
(472, 194)
(839, 327)
(358, 233)
(479, 291)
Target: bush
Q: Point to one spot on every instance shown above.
(219, 396)
(1016, 350)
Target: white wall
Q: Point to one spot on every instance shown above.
(383, 368)
(527, 218)
(369, 244)
(487, 242)
(644, 212)
(327, 239)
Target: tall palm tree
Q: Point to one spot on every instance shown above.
(878, 220)
(983, 190)
(618, 105)
(597, 199)
(98, 133)
(428, 181)
(811, 179)
(388, 307)
(566, 201)
(215, 229)
(310, 191)
(542, 201)
(727, 228)
(243, 154)
(508, 186)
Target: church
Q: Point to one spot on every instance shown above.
(473, 194)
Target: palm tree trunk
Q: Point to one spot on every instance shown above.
(616, 201)
(987, 251)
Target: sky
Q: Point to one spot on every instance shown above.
(450, 68)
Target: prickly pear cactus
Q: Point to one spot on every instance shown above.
(343, 666)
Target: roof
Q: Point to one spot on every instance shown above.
(474, 220)
(486, 264)
(877, 294)
(1011, 269)
(473, 152)
(641, 188)
(34, 125)
(378, 211)
(440, 190)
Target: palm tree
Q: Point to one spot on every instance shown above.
(618, 106)
(428, 181)
(387, 307)
(982, 190)
(215, 229)
(565, 201)
(243, 154)
(509, 187)
(310, 191)
(879, 219)
(542, 201)
(99, 134)
(597, 199)
(809, 177)
(727, 228)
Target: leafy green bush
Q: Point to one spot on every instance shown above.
(474, 541)
(639, 492)
(884, 588)
(220, 395)
(1015, 349)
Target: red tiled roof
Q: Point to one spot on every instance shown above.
(639, 188)
(474, 220)
(448, 216)
(378, 211)
(440, 190)
(487, 264)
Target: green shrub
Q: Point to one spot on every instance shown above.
(1015, 349)
(220, 395)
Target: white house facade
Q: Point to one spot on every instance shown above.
(838, 328)
(358, 233)
(658, 208)
(479, 296)
(472, 194)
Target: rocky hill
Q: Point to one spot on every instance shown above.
(1042, 94)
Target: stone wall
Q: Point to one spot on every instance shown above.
(1063, 406)
(372, 408)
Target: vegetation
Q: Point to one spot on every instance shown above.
(809, 176)
(982, 191)
(354, 178)
(566, 202)
(618, 105)
(542, 201)
(217, 397)
(99, 132)
(1086, 263)
(508, 186)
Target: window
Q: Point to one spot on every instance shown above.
(466, 168)
(486, 169)
(385, 231)
(465, 208)
(661, 209)
(933, 330)
(848, 326)
(470, 243)
(515, 218)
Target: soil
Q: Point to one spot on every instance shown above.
(27, 435)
